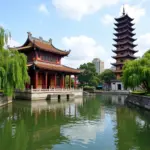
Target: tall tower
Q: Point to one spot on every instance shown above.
(124, 42)
(99, 65)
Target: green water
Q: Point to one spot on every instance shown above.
(92, 123)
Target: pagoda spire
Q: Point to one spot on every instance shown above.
(123, 11)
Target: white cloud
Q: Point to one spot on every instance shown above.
(76, 9)
(43, 8)
(83, 50)
(107, 19)
(143, 44)
(13, 43)
(135, 11)
(89, 130)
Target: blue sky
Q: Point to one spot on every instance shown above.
(84, 26)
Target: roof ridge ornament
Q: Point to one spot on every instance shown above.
(40, 38)
(123, 11)
(50, 41)
(29, 34)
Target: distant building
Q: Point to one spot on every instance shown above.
(99, 65)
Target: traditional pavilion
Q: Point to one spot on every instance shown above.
(124, 44)
(44, 64)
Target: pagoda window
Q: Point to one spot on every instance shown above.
(121, 60)
(46, 58)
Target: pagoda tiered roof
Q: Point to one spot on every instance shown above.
(124, 50)
(125, 37)
(126, 26)
(124, 17)
(124, 56)
(117, 64)
(33, 42)
(123, 23)
(125, 43)
(127, 31)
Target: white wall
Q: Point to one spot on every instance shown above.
(114, 86)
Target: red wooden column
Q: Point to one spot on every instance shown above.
(46, 80)
(36, 80)
(75, 81)
(69, 81)
(55, 80)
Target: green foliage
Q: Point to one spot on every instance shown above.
(137, 73)
(13, 69)
(88, 88)
(89, 75)
(67, 82)
(139, 92)
(107, 76)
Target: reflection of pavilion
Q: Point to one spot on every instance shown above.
(38, 106)
(118, 99)
(48, 125)
(38, 124)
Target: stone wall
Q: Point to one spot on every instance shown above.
(139, 100)
(5, 100)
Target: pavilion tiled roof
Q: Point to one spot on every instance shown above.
(46, 46)
(43, 45)
(56, 67)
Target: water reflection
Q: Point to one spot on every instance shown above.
(91, 124)
(100, 122)
(133, 129)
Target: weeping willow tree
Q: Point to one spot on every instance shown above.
(137, 73)
(13, 69)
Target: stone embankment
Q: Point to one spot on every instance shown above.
(120, 92)
(4, 100)
(48, 94)
(139, 100)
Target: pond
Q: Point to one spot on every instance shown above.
(102, 122)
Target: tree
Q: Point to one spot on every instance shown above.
(107, 76)
(13, 68)
(89, 75)
(67, 82)
(137, 73)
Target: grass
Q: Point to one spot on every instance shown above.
(144, 93)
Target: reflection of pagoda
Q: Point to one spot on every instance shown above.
(124, 43)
